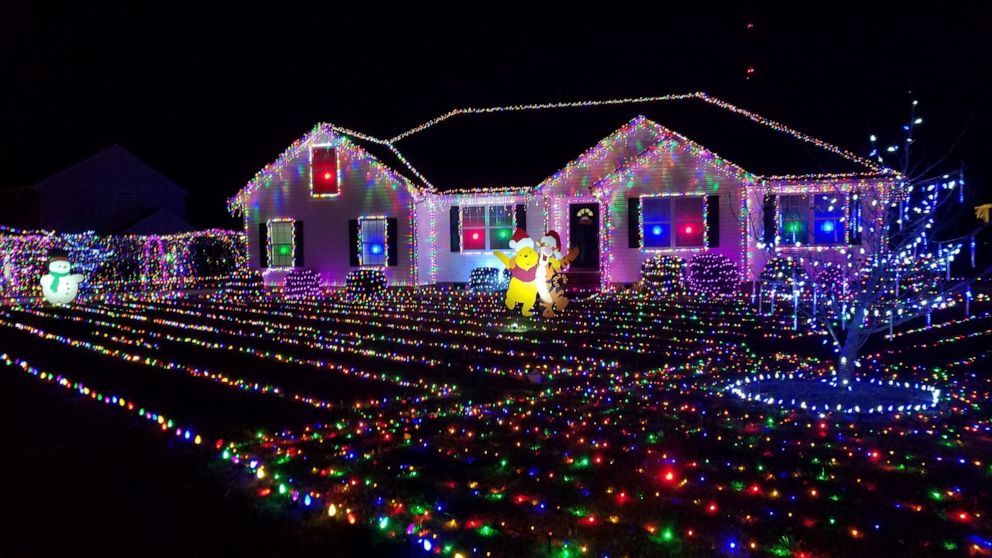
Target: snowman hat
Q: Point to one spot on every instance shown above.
(57, 255)
(521, 240)
(552, 236)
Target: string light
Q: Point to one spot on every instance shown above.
(635, 437)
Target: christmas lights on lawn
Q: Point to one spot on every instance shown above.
(571, 463)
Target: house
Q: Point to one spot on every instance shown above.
(622, 180)
(112, 192)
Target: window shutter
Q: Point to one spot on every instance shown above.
(455, 232)
(263, 245)
(633, 222)
(768, 216)
(393, 241)
(854, 219)
(297, 243)
(520, 216)
(354, 228)
(713, 221)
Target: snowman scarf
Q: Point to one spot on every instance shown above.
(55, 281)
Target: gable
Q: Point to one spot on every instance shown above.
(612, 152)
(699, 170)
(292, 171)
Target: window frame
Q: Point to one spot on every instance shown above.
(488, 226)
(812, 221)
(672, 222)
(270, 227)
(839, 219)
(362, 242)
(655, 222)
(337, 170)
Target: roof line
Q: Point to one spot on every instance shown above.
(386, 143)
(775, 125)
(539, 106)
(778, 126)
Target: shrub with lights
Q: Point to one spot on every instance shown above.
(302, 283)
(783, 274)
(488, 280)
(366, 283)
(712, 274)
(663, 275)
(830, 281)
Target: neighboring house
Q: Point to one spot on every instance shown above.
(112, 192)
(432, 203)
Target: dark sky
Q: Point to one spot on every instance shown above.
(210, 96)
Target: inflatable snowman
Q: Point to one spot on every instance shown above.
(58, 286)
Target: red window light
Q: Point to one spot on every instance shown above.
(324, 171)
(474, 239)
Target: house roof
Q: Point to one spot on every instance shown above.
(113, 163)
(388, 156)
(523, 145)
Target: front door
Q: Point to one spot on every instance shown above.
(583, 232)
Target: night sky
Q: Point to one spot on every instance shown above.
(209, 97)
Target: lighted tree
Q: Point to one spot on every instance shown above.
(898, 268)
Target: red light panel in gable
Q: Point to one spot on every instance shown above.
(324, 171)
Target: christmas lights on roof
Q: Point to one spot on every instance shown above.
(873, 169)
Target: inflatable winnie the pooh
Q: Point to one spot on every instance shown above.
(523, 273)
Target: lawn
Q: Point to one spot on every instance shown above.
(438, 423)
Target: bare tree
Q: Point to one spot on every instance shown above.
(908, 234)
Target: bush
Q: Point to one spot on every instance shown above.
(664, 275)
(781, 273)
(713, 275)
(302, 283)
(488, 280)
(365, 283)
(484, 280)
(211, 257)
(830, 280)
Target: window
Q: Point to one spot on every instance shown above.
(672, 222)
(373, 240)
(323, 170)
(281, 252)
(828, 219)
(487, 227)
(474, 227)
(794, 211)
(816, 219)
(500, 226)
(688, 221)
(656, 217)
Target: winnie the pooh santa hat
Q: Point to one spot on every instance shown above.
(521, 240)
